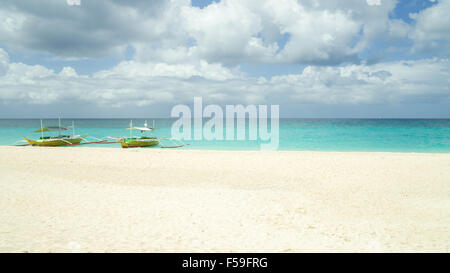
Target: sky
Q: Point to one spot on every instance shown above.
(138, 58)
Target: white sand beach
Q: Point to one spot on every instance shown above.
(157, 200)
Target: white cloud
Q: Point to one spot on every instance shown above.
(139, 84)
(321, 32)
(316, 35)
(4, 60)
(68, 72)
(373, 2)
(229, 32)
(398, 29)
(95, 29)
(431, 32)
(133, 69)
(184, 51)
(380, 83)
(225, 31)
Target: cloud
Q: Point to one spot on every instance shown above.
(183, 51)
(4, 61)
(133, 84)
(387, 83)
(229, 32)
(133, 69)
(320, 32)
(431, 34)
(94, 29)
(373, 2)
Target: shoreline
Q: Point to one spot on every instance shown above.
(215, 150)
(102, 199)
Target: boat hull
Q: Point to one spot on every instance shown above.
(136, 142)
(54, 142)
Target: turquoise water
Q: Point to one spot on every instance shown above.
(392, 135)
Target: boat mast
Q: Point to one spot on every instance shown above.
(73, 128)
(145, 126)
(42, 131)
(131, 128)
(59, 122)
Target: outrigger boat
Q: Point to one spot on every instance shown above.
(143, 141)
(60, 140)
(125, 142)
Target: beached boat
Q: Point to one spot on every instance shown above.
(143, 141)
(59, 140)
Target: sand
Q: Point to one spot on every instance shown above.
(157, 200)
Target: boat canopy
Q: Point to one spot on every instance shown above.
(49, 129)
(140, 128)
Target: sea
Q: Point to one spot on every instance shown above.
(380, 135)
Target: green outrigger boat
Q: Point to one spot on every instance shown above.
(143, 141)
(53, 141)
